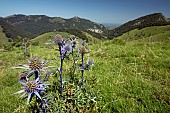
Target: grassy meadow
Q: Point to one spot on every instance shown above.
(131, 72)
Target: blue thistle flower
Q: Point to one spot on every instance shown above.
(73, 41)
(67, 48)
(31, 88)
(90, 62)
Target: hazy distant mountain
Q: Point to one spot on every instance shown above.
(110, 24)
(156, 19)
(38, 24)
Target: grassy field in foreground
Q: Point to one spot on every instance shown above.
(132, 77)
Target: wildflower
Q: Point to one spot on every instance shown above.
(90, 62)
(31, 88)
(67, 47)
(35, 64)
(153, 40)
(58, 39)
(64, 50)
(70, 92)
(73, 41)
(82, 50)
(22, 75)
(82, 68)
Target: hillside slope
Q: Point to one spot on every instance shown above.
(13, 32)
(156, 33)
(48, 37)
(156, 19)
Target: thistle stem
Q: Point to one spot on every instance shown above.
(82, 71)
(74, 63)
(61, 81)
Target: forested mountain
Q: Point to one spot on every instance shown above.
(13, 32)
(156, 19)
(38, 24)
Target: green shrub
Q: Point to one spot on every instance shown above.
(8, 47)
(34, 43)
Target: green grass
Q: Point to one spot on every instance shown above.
(47, 37)
(157, 32)
(91, 39)
(133, 77)
(130, 78)
(3, 38)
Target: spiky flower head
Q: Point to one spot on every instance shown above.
(70, 91)
(22, 75)
(35, 64)
(82, 50)
(31, 88)
(58, 39)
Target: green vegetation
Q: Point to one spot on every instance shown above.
(159, 33)
(91, 39)
(38, 24)
(130, 73)
(13, 32)
(3, 38)
(48, 37)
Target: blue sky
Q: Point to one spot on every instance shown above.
(100, 11)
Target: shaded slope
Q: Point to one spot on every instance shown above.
(3, 38)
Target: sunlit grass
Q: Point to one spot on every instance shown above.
(130, 78)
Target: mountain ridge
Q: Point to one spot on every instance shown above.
(31, 26)
(155, 19)
(38, 24)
